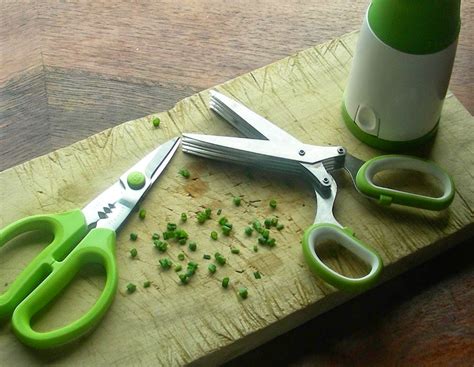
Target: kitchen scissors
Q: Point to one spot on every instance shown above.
(80, 237)
(268, 146)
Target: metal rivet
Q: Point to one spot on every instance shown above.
(301, 152)
(340, 150)
(326, 180)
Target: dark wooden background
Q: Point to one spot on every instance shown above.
(68, 71)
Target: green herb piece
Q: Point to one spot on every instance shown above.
(280, 227)
(256, 225)
(180, 234)
(243, 292)
(192, 246)
(266, 233)
(168, 235)
(208, 213)
(184, 217)
(219, 258)
(178, 267)
(212, 268)
(225, 282)
(257, 275)
(248, 231)
(214, 235)
(271, 242)
(131, 287)
(207, 257)
(274, 221)
(184, 278)
(255, 248)
(191, 268)
(193, 265)
(181, 256)
(262, 240)
(223, 221)
(160, 245)
(268, 223)
(184, 172)
(182, 241)
(219, 211)
(155, 236)
(146, 284)
(156, 122)
(273, 204)
(236, 201)
(226, 230)
(165, 263)
(133, 252)
(235, 250)
(201, 217)
(142, 214)
(133, 236)
(171, 227)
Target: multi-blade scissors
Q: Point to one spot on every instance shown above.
(81, 237)
(270, 147)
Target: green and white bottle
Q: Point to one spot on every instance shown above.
(401, 71)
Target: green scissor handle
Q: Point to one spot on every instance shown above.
(386, 196)
(54, 268)
(321, 232)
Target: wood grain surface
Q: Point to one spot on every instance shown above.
(70, 70)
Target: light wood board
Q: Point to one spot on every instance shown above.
(171, 324)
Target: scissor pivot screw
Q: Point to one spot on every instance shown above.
(301, 152)
(326, 180)
(340, 150)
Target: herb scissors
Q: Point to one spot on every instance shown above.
(80, 237)
(268, 146)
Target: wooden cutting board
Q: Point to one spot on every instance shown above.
(202, 323)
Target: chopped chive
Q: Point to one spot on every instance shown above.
(235, 250)
(131, 287)
(178, 267)
(273, 204)
(192, 246)
(257, 275)
(142, 213)
(146, 284)
(156, 122)
(248, 231)
(255, 248)
(219, 258)
(236, 201)
(208, 213)
(223, 221)
(184, 217)
(268, 223)
(171, 227)
(214, 235)
(201, 217)
(155, 236)
(160, 245)
(168, 235)
(181, 256)
(165, 263)
(225, 282)
(274, 221)
(184, 278)
(219, 211)
(182, 241)
(271, 242)
(133, 252)
(280, 227)
(243, 292)
(262, 240)
(266, 233)
(212, 268)
(133, 236)
(226, 229)
(207, 257)
(256, 225)
(184, 172)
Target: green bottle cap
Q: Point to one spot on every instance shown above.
(416, 26)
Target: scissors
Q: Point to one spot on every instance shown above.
(268, 146)
(80, 237)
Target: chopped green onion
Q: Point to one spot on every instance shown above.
(142, 213)
(219, 258)
(226, 230)
(160, 245)
(184, 278)
(131, 287)
(155, 236)
(181, 233)
(255, 248)
(273, 204)
(171, 226)
(201, 217)
(208, 212)
(235, 250)
(214, 235)
(192, 265)
(262, 240)
(274, 221)
(243, 292)
(165, 263)
(207, 257)
(156, 122)
(257, 275)
(181, 256)
(256, 225)
(268, 223)
(266, 233)
(168, 235)
(271, 242)
(225, 282)
(184, 172)
(192, 246)
(146, 284)
(280, 227)
(133, 236)
(182, 241)
(184, 217)
(212, 268)
(236, 201)
(248, 231)
(178, 267)
(133, 252)
(223, 221)
(219, 211)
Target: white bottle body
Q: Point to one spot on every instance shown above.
(396, 96)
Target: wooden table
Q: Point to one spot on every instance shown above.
(68, 71)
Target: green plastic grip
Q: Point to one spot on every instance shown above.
(386, 196)
(320, 232)
(68, 229)
(97, 247)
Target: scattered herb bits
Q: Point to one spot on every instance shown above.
(225, 282)
(168, 235)
(267, 223)
(181, 256)
(248, 231)
(146, 284)
(243, 292)
(212, 268)
(257, 225)
(236, 200)
(235, 250)
(280, 227)
(221, 260)
(178, 267)
(184, 278)
(257, 275)
(214, 235)
(226, 229)
(273, 204)
(160, 245)
(155, 236)
(274, 221)
(133, 236)
(133, 252)
(131, 287)
(271, 242)
(192, 246)
(165, 263)
(207, 257)
(265, 233)
(184, 217)
(171, 227)
(156, 122)
(184, 172)
(201, 217)
(142, 214)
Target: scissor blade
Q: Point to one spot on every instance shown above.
(249, 123)
(112, 207)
